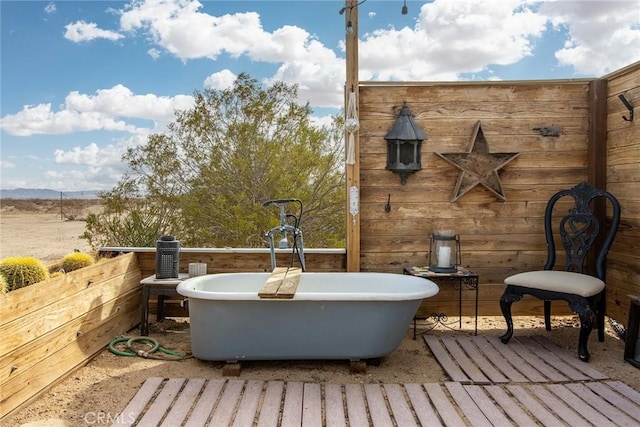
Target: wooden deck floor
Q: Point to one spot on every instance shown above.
(483, 392)
(486, 360)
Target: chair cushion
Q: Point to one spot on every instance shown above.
(558, 281)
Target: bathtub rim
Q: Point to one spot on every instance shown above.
(187, 288)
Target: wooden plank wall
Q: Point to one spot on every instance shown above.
(51, 328)
(623, 180)
(498, 238)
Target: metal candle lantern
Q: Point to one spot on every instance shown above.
(167, 257)
(404, 145)
(444, 252)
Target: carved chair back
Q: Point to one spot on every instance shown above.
(580, 230)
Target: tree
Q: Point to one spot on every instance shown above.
(127, 219)
(208, 176)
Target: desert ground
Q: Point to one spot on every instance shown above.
(107, 383)
(44, 229)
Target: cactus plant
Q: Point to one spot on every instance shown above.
(76, 260)
(22, 271)
(4, 286)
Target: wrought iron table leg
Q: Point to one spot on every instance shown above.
(144, 320)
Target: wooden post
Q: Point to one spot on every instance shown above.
(352, 171)
(597, 146)
(597, 155)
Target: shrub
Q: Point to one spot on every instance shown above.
(76, 260)
(22, 271)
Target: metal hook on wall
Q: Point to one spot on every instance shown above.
(548, 130)
(629, 107)
(387, 207)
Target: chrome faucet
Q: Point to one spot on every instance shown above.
(283, 229)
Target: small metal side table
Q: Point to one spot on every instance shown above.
(161, 288)
(460, 279)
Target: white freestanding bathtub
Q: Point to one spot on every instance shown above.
(350, 316)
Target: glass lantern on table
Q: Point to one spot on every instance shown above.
(444, 252)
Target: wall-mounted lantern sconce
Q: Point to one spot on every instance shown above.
(404, 145)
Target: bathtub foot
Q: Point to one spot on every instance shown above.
(358, 367)
(376, 361)
(232, 369)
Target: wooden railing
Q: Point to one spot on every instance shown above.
(234, 260)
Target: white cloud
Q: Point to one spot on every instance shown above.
(106, 110)
(319, 74)
(40, 119)
(185, 32)
(450, 38)
(593, 48)
(6, 165)
(91, 155)
(101, 179)
(92, 166)
(120, 101)
(221, 80)
(322, 120)
(154, 53)
(81, 31)
(50, 8)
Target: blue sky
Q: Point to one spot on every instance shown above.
(81, 81)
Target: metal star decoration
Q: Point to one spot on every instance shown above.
(478, 166)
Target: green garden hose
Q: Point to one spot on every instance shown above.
(148, 354)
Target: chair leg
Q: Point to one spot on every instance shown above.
(508, 298)
(587, 317)
(585, 330)
(600, 311)
(547, 315)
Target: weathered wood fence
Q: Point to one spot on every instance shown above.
(50, 328)
(500, 238)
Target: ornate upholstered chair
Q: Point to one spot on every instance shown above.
(581, 283)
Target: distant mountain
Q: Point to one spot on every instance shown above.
(46, 194)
